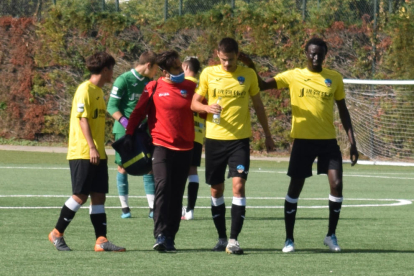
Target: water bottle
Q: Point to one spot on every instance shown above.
(216, 116)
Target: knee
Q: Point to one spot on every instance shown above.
(336, 184)
(121, 170)
(238, 188)
(217, 190)
(80, 198)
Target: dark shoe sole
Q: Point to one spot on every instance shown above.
(159, 247)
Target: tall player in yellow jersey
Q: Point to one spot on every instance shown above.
(227, 140)
(314, 91)
(86, 155)
(191, 67)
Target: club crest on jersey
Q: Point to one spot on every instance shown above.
(240, 168)
(328, 82)
(241, 79)
(183, 93)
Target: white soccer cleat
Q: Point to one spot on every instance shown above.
(187, 215)
(289, 246)
(332, 243)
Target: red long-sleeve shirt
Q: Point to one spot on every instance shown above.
(170, 119)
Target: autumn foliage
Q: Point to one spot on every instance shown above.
(43, 62)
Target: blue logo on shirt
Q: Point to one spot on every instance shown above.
(183, 93)
(328, 82)
(241, 79)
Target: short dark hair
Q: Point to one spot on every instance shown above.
(165, 60)
(147, 57)
(228, 45)
(318, 42)
(98, 61)
(193, 64)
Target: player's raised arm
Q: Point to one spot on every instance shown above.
(347, 123)
(270, 83)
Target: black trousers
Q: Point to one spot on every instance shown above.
(170, 169)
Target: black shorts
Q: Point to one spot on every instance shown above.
(87, 178)
(304, 152)
(220, 153)
(196, 153)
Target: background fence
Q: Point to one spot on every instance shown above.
(345, 10)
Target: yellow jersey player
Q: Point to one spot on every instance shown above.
(228, 88)
(86, 155)
(191, 67)
(313, 92)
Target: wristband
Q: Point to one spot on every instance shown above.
(123, 121)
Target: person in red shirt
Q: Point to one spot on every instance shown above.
(171, 125)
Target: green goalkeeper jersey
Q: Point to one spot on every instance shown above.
(124, 96)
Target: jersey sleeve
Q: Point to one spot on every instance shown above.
(140, 111)
(81, 103)
(118, 90)
(284, 79)
(254, 87)
(203, 84)
(340, 91)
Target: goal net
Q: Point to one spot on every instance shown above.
(382, 115)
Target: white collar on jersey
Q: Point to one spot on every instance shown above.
(133, 72)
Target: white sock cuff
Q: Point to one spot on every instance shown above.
(96, 209)
(239, 201)
(72, 204)
(150, 199)
(291, 200)
(193, 178)
(335, 199)
(124, 201)
(217, 201)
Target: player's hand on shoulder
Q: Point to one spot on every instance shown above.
(245, 59)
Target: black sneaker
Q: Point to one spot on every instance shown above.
(159, 243)
(169, 245)
(221, 245)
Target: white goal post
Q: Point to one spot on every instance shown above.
(382, 113)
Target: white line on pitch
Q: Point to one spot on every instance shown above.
(201, 170)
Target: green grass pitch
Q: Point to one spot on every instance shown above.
(375, 229)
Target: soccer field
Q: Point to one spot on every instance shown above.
(375, 229)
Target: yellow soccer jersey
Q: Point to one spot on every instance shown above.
(312, 98)
(199, 123)
(234, 88)
(89, 103)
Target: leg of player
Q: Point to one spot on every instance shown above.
(192, 191)
(238, 212)
(98, 219)
(122, 184)
(335, 204)
(291, 206)
(67, 214)
(218, 212)
(149, 187)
